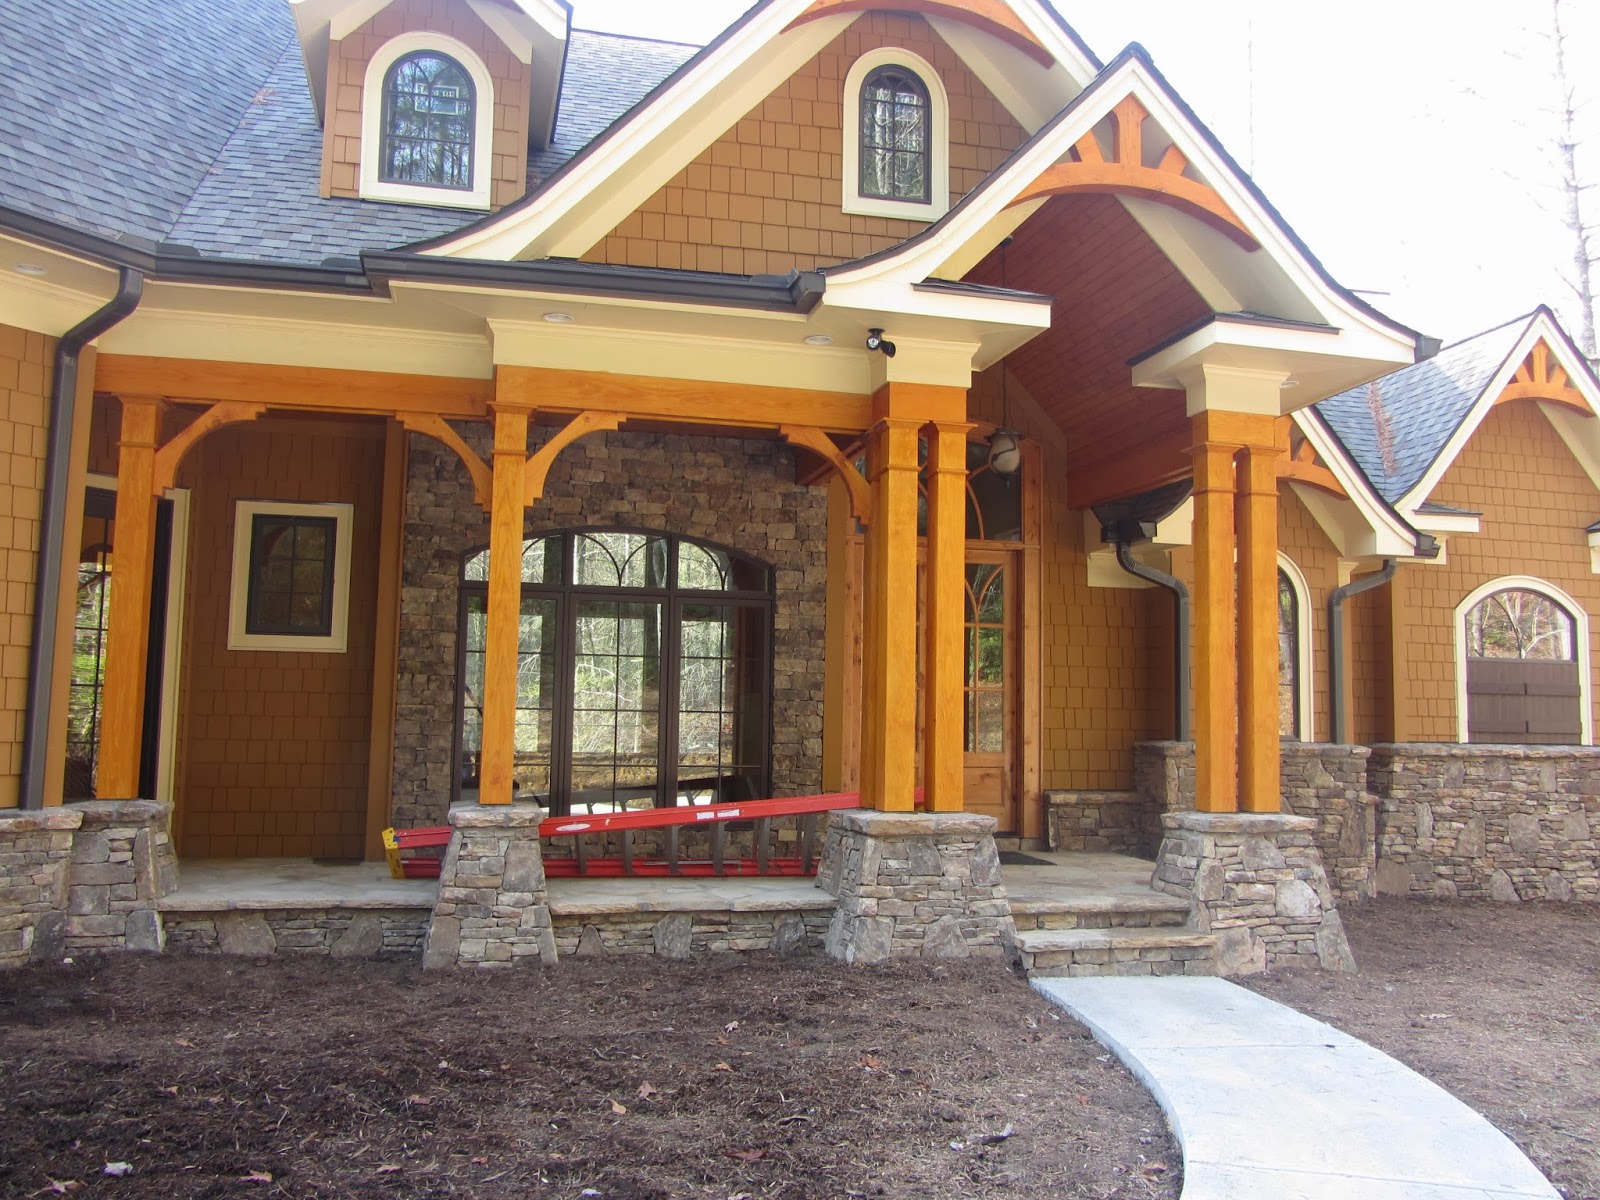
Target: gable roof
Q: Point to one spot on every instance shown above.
(1427, 411)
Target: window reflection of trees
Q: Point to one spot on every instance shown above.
(1517, 623)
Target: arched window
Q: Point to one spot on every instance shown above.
(429, 119)
(896, 137)
(644, 672)
(1294, 652)
(1523, 663)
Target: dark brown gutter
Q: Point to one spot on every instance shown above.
(1336, 683)
(51, 561)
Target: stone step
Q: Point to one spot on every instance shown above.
(1091, 910)
(1062, 953)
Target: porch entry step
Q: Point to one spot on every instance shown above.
(1062, 953)
(1128, 910)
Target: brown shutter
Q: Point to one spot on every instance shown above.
(1520, 701)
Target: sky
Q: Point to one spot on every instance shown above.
(1410, 143)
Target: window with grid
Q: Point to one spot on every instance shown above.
(896, 137)
(291, 575)
(429, 114)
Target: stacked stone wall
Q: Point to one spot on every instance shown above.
(1102, 822)
(686, 934)
(122, 864)
(35, 854)
(493, 906)
(739, 493)
(1505, 823)
(337, 933)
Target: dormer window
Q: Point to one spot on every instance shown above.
(427, 113)
(428, 108)
(897, 137)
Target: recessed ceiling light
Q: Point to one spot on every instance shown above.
(30, 269)
(819, 339)
(1289, 383)
(558, 318)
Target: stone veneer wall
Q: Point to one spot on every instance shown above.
(1102, 822)
(35, 854)
(1319, 780)
(1503, 822)
(740, 493)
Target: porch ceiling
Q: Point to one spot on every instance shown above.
(1117, 295)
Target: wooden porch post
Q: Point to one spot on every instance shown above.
(1260, 785)
(128, 627)
(944, 618)
(1216, 726)
(504, 617)
(889, 689)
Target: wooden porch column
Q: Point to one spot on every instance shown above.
(1260, 785)
(128, 627)
(1216, 724)
(889, 688)
(944, 657)
(497, 757)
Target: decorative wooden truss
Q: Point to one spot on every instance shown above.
(1091, 172)
(1304, 465)
(1540, 377)
(991, 16)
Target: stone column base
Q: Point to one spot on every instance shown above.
(123, 862)
(35, 858)
(493, 909)
(914, 885)
(1255, 880)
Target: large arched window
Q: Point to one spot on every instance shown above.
(644, 672)
(429, 107)
(1294, 652)
(1523, 665)
(897, 137)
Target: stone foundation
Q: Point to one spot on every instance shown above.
(1319, 780)
(123, 862)
(687, 934)
(1255, 880)
(493, 909)
(1504, 823)
(338, 933)
(35, 854)
(1102, 822)
(914, 885)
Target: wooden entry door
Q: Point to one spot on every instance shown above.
(989, 687)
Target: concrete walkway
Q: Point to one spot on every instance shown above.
(1268, 1103)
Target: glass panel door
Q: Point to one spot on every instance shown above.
(536, 695)
(989, 688)
(616, 706)
(722, 693)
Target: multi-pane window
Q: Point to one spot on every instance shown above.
(985, 684)
(643, 672)
(896, 137)
(291, 575)
(429, 114)
(1288, 658)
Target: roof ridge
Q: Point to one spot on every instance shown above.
(1525, 319)
(637, 37)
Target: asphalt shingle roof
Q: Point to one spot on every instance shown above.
(190, 122)
(1423, 405)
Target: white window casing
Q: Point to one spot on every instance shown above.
(374, 188)
(337, 640)
(1305, 729)
(938, 139)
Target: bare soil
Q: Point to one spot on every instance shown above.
(737, 1076)
(1497, 1003)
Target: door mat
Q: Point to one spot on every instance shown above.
(1016, 858)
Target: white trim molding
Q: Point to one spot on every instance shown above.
(1582, 650)
(938, 139)
(1305, 617)
(334, 642)
(483, 99)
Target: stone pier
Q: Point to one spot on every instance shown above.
(493, 908)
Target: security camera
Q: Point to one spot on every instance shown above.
(876, 341)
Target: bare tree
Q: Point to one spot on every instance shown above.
(1575, 192)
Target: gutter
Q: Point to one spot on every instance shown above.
(1340, 702)
(51, 563)
(1180, 630)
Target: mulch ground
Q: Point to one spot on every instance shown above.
(1498, 1003)
(740, 1077)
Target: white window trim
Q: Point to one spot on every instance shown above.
(1582, 652)
(938, 134)
(1305, 727)
(336, 642)
(373, 188)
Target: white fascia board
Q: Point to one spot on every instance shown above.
(1361, 334)
(990, 325)
(514, 29)
(1045, 25)
(311, 20)
(48, 305)
(1445, 524)
(1382, 530)
(1031, 92)
(1540, 327)
(1582, 436)
(599, 189)
(352, 15)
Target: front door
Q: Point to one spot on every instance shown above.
(989, 687)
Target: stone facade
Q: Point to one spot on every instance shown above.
(1498, 822)
(1319, 780)
(914, 885)
(123, 862)
(493, 908)
(338, 933)
(686, 934)
(35, 854)
(1256, 881)
(1102, 822)
(738, 493)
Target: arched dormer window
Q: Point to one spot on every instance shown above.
(897, 138)
(427, 112)
(1522, 665)
(428, 106)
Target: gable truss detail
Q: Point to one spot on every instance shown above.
(1304, 465)
(1090, 171)
(990, 16)
(1540, 377)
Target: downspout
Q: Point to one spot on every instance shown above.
(1339, 701)
(52, 530)
(1180, 635)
